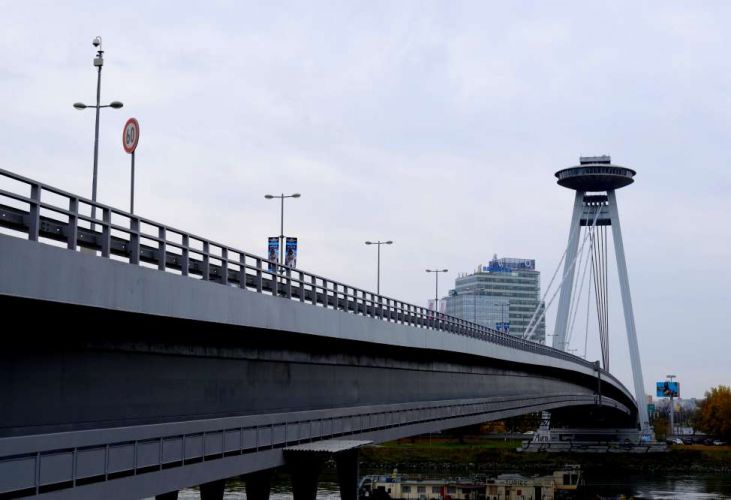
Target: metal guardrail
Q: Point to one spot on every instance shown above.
(68, 460)
(141, 240)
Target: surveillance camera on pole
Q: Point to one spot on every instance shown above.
(98, 63)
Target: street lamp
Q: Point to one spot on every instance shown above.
(378, 279)
(281, 227)
(502, 312)
(436, 294)
(98, 62)
(672, 406)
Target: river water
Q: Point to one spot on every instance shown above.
(661, 486)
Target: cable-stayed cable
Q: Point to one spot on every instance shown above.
(575, 303)
(530, 329)
(548, 288)
(599, 261)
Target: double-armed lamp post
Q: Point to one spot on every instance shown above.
(378, 273)
(98, 62)
(436, 293)
(502, 306)
(672, 407)
(281, 227)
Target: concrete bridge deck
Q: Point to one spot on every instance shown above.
(123, 380)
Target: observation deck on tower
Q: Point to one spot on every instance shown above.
(595, 173)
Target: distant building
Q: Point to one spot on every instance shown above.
(503, 295)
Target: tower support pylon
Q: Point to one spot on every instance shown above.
(595, 181)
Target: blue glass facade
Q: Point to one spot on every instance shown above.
(502, 295)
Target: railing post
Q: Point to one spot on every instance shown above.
(313, 285)
(72, 232)
(34, 224)
(274, 276)
(302, 286)
(185, 265)
(325, 298)
(107, 232)
(289, 283)
(162, 253)
(206, 271)
(258, 276)
(242, 270)
(224, 266)
(134, 240)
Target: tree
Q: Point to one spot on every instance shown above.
(714, 413)
(660, 424)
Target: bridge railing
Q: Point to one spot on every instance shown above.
(46, 213)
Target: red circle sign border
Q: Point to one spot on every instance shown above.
(131, 121)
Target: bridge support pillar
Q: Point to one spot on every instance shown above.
(305, 476)
(213, 490)
(347, 467)
(172, 495)
(258, 485)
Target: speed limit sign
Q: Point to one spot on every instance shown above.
(131, 135)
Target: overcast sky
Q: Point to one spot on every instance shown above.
(438, 125)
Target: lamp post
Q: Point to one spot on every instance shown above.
(502, 312)
(672, 408)
(98, 62)
(378, 275)
(281, 227)
(436, 293)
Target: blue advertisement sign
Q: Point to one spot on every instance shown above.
(667, 389)
(509, 264)
(290, 252)
(503, 326)
(273, 250)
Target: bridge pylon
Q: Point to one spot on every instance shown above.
(595, 181)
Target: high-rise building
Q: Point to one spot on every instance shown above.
(503, 295)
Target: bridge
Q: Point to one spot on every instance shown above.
(140, 359)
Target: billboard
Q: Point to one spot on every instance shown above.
(273, 252)
(503, 326)
(668, 389)
(290, 252)
(509, 264)
(442, 305)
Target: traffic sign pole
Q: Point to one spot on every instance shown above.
(130, 138)
(132, 187)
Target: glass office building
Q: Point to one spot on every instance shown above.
(502, 295)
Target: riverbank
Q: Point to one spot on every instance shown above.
(481, 454)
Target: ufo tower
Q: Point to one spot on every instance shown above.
(595, 181)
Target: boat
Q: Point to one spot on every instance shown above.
(562, 483)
